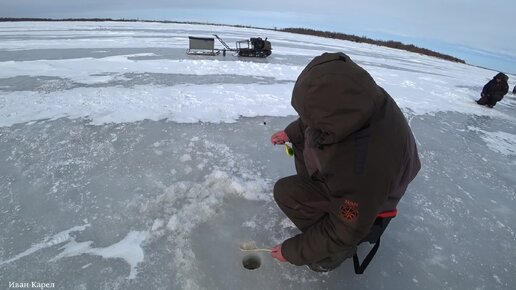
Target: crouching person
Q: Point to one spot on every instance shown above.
(494, 90)
(354, 155)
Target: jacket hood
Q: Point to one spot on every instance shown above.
(502, 77)
(335, 96)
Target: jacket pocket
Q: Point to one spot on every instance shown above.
(361, 148)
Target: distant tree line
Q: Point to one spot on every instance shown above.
(363, 39)
(64, 19)
(305, 31)
(4, 19)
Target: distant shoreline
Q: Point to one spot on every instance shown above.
(304, 31)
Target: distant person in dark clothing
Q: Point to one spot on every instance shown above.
(494, 90)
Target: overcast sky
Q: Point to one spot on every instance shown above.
(482, 32)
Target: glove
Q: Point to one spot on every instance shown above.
(279, 137)
(276, 253)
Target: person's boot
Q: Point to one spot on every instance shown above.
(332, 262)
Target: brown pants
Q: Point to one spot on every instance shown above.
(304, 201)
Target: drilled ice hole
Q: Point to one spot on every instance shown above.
(251, 262)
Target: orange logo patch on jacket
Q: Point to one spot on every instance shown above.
(349, 210)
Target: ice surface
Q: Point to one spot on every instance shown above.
(58, 238)
(127, 164)
(128, 249)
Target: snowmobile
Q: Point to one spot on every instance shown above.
(254, 47)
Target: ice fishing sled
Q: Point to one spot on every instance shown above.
(201, 46)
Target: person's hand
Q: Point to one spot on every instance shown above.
(276, 253)
(279, 137)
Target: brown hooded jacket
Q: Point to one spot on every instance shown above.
(355, 140)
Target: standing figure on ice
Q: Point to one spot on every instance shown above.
(354, 155)
(494, 90)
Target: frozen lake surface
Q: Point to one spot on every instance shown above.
(127, 164)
